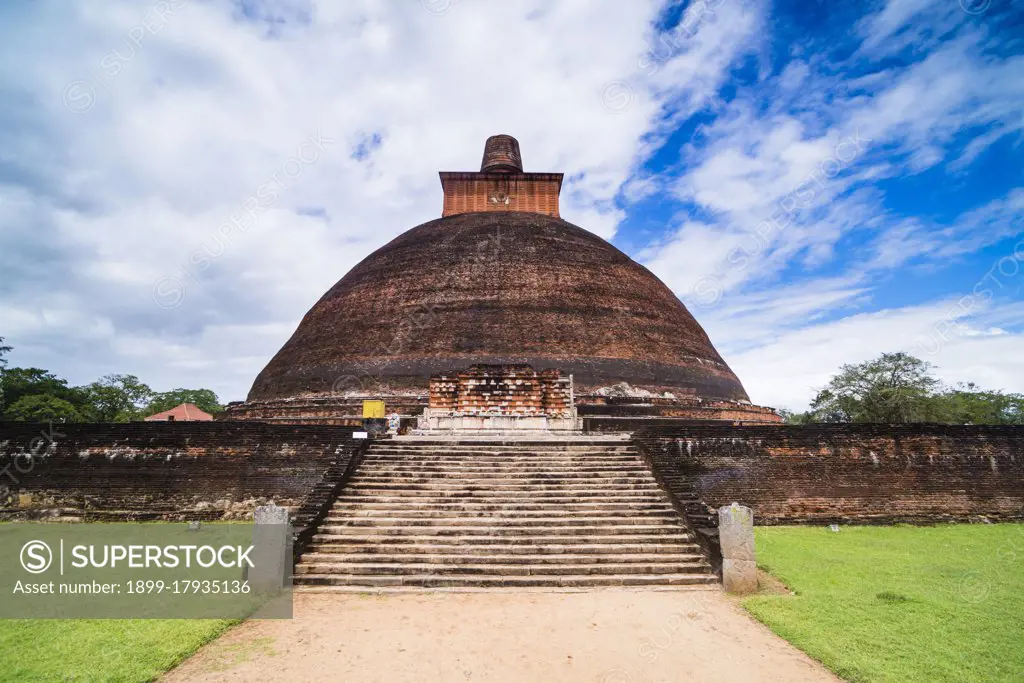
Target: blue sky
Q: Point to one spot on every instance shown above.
(818, 182)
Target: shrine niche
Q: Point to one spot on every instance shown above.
(500, 397)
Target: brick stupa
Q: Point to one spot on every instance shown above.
(499, 279)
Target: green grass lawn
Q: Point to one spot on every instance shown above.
(100, 649)
(943, 603)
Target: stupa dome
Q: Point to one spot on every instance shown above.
(498, 286)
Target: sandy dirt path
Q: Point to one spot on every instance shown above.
(606, 636)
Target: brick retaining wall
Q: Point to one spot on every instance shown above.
(171, 471)
(814, 474)
(867, 474)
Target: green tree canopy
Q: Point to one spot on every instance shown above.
(891, 388)
(113, 398)
(969, 404)
(897, 387)
(3, 364)
(119, 398)
(204, 399)
(17, 383)
(43, 408)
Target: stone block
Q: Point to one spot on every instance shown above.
(736, 531)
(739, 576)
(739, 560)
(272, 550)
(270, 514)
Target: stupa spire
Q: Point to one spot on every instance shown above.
(501, 155)
(500, 184)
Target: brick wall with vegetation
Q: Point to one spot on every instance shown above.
(168, 471)
(864, 473)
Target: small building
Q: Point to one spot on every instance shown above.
(186, 412)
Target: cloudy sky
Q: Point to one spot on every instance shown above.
(819, 182)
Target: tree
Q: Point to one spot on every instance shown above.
(16, 383)
(969, 404)
(792, 418)
(113, 398)
(3, 364)
(204, 399)
(42, 408)
(118, 398)
(895, 387)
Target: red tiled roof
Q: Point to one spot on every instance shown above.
(183, 413)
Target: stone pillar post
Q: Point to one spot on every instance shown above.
(272, 550)
(736, 533)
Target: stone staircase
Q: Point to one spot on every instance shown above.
(470, 515)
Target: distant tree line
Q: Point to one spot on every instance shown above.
(898, 387)
(34, 394)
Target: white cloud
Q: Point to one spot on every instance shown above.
(132, 139)
(785, 371)
(99, 206)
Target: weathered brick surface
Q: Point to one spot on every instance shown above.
(530, 192)
(497, 288)
(626, 414)
(325, 409)
(173, 471)
(843, 473)
(502, 390)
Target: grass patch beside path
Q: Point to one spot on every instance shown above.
(943, 603)
(99, 649)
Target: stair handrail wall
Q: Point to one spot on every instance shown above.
(699, 516)
(317, 504)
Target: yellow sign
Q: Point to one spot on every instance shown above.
(373, 409)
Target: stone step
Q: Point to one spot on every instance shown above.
(520, 569)
(518, 440)
(553, 455)
(448, 548)
(399, 470)
(371, 506)
(418, 537)
(499, 497)
(500, 522)
(471, 468)
(485, 468)
(535, 463)
(622, 446)
(481, 558)
(512, 474)
(481, 447)
(484, 495)
(439, 592)
(606, 485)
(506, 480)
(568, 581)
(341, 515)
(501, 530)
(596, 451)
(493, 515)
(505, 469)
